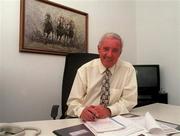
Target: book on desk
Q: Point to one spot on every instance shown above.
(78, 130)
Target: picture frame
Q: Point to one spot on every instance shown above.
(51, 28)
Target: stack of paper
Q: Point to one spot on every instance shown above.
(153, 127)
(130, 127)
(121, 126)
(116, 126)
(104, 125)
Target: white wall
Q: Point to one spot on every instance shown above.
(1, 79)
(32, 82)
(158, 41)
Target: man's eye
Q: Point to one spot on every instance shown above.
(106, 49)
(115, 50)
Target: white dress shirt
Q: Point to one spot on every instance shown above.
(86, 89)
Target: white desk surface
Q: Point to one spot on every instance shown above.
(159, 111)
(47, 126)
(164, 112)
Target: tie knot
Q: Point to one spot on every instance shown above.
(108, 72)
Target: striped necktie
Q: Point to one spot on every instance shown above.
(105, 93)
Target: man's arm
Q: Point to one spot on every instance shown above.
(129, 95)
(75, 99)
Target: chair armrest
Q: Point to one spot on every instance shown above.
(54, 111)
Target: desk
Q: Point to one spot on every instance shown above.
(47, 126)
(164, 112)
(159, 111)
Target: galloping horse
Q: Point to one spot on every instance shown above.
(69, 32)
(60, 28)
(48, 27)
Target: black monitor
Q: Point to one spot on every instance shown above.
(148, 78)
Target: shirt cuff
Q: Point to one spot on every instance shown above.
(116, 110)
(78, 111)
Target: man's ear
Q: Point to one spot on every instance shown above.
(120, 52)
(98, 49)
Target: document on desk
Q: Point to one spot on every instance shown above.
(149, 123)
(154, 127)
(115, 126)
(129, 128)
(104, 125)
(136, 126)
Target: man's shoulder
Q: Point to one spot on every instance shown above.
(90, 64)
(123, 63)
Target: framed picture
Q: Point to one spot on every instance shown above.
(51, 28)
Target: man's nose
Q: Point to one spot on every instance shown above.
(109, 54)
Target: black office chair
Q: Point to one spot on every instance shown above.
(73, 62)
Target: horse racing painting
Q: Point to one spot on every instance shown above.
(51, 28)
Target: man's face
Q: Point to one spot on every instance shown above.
(109, 51)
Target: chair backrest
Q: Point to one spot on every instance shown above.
(72, 63)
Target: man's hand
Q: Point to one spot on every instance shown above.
(102, 111)
(89, 114)
(92, 113)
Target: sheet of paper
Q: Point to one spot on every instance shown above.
(104, 125)
(151, 124)
(130, 128)
(153, 127)
(168, 130)
(135, 126)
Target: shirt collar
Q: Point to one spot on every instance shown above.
(102, 68)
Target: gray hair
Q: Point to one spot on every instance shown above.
(110, 35)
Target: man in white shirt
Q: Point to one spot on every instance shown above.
(84, 99)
